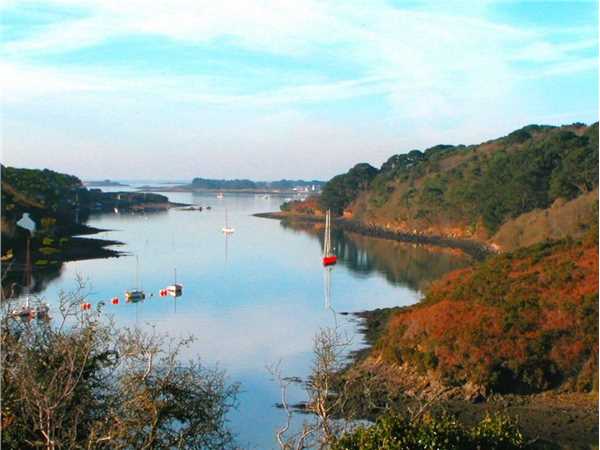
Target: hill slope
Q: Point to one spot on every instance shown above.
(474, 191)
(520, 322)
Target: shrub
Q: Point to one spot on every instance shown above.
(48, 251)
(392, 432)
(521, 322)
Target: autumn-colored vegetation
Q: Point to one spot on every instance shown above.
(520, 322)
(572, 217)
(308, 207)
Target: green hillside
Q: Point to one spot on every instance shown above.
(471, 191)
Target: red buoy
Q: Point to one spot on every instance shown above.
(115, 301)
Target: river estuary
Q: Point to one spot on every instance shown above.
(251, 299)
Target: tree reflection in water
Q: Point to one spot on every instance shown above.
(407, 264)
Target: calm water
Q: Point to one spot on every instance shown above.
(252, 299)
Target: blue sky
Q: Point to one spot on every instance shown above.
(281, 88)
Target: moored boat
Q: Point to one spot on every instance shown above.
(227, 229)
(329, 257)
(176, 288)
(134, 296)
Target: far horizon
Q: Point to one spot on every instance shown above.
(172, 180)
(152, 179)
(277, 90)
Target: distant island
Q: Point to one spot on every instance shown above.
(104, 183)
(243, 185)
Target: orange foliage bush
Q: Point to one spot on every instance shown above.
(308, 206)
(520, 322)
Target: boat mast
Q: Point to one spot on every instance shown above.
(327, 243)
(28, 265)
(137, 272)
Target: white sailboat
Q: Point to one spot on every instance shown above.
(135, 295)
(175, 289)
(227, 229)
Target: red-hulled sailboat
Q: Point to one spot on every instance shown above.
(329, 258)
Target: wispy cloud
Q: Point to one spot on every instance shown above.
(428, 67)
(391, 47)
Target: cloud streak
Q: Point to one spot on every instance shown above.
(427, 69)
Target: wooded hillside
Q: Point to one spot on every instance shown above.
(472, 191)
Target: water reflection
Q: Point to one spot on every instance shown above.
(45, 268)
(13, 283)
(327, 284)
(407, 264)
(226, 238)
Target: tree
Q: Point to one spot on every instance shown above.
(338, 401)
(80, 382)
(341, 190)
(334, 401)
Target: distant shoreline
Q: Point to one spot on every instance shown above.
(105, 183)
(224, 191)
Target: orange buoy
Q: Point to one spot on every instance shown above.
(115, 301)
